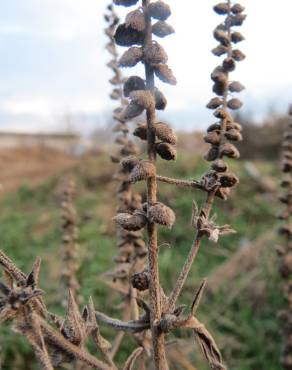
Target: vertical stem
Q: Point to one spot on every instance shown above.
(158, 340)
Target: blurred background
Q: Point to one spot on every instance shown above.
(55, 125)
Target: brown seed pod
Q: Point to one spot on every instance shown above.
(110, 47)
(162, 29)
(221, 36)
(214, 103)
(142, 171)
(155, 54)
(212, 154)
(159, 10)
(228, 180)
(233, 125)
(136, 20)
(164, 73)
(143, 98)
(127, 36)
(228, 64)
(219, 166)
(234, 104)
(287, 165)
(237, 37)
(112, 64)
(160, 99)
(160, 214)
(115, 80)
(237, 8)
(214, 127)
(233, 135)
(222, 113)
(133, 83)
(238, 55)
(221, 8)
(212, 137)
(165, 133)
(219, 75)
(235, 86)
(166, 151)
(125, 2)
(131, 57)
(236, 20)
(140, 281)
(219, 50)
(219, 88)
(128, 163)
(141, 131)
(228, 150)
(132, 110)
(131, 222)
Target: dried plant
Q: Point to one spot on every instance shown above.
(136, 33)
(132, 250)
(70, 248)
(285, 250)
(57, 340)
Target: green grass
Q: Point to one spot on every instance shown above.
(244, 324)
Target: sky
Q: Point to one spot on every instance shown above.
(53, 63)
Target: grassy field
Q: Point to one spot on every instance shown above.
(239, 309)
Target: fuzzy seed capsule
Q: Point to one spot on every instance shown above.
(219, 50)
(219, 166)
(127, 36)
(140, 281)
(233, 135)
(131, 57)
(166, 151)
(128, 163)
(237, 37)
(229, 64)
(160, 99)
(155, 54)
(141, 131)
(236, 20)
(142, 171)
(136, 20)
(131, 222)
(238, 55)
(212, 154)
(212, 137)
(228, 180)
(221, 8)
(143, 98)
(229, 150)
(234, 104)
(165, 133)
(235, 86)
(159, 10)
(237, 8)
(133, 83)
(164, 73)
(214, 103)
(221, 36)
(132, 110)
(162, 29)
(160, 214)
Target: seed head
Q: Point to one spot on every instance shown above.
(229, 150)
(155, 54)
(131, 222)
(238, 55)
(221, 8)
(162, 29)
(127, 36)
(164, 73)
(166, 151)
(165, 133)
(140, 281)
(229, 64)
(214, 103)
(160, 214)
(142, 171)
(235, 86)
(136, 20)
(237, 37)
(125, 2)
(234, 104)
(133, 83)
(159, 10)
(131, 57)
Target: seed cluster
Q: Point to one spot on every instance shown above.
(285, 250)
(222, 134)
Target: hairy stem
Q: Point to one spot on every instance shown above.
(158, 339)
